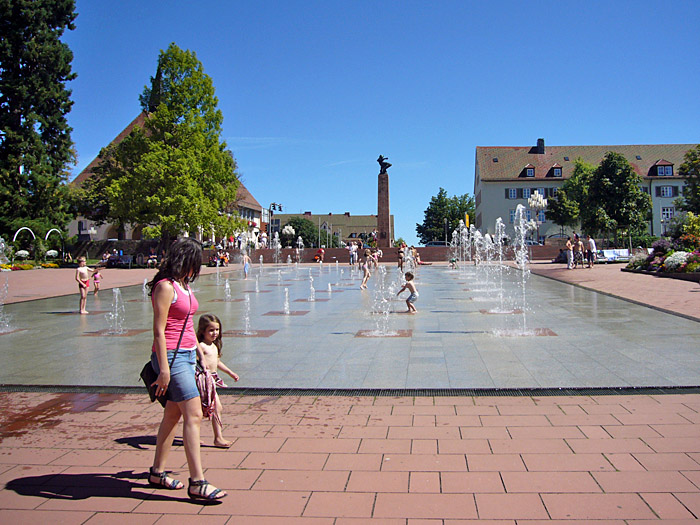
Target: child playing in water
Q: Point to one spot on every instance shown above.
(364, 266)
(411, 287)
(209, 356)
(97, 278)
(82, 276)
(246, 265)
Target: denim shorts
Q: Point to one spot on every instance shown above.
(182, 384)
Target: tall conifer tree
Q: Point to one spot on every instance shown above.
(35, 143)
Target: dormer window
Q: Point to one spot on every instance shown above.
(530, 172)
(662, 168)
(557, 172)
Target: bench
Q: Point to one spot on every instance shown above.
(617, 255)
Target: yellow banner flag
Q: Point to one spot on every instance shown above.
(466, 219)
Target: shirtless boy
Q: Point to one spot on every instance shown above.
(82, 276)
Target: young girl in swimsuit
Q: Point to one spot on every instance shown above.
(82, 276)
(209, 355)
(97, 278)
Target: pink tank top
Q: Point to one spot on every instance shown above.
(176, 317)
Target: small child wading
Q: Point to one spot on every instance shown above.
(209, 356)
(411, 287)
(96, 279)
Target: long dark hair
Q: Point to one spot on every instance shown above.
(204, 322)
(183, 258)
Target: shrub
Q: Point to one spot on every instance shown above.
(673, 262)
(655, 263)
(21, 254)
(49, 265)
(52, 253)
(691, 224)
(638, 260)
(692, 267)
(23, 267)
(687, 242)
(661, 246)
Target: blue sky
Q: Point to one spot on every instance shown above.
(313, 92)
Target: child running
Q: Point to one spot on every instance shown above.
(209, 356)
(96, 278)
(411, 287)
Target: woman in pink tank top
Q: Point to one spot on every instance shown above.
(173, 358)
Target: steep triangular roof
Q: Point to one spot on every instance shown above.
(88, 170)
(243, 196)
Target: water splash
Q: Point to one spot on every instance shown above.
(144, 290)
(257, 284)
(246, 317)
(5, 318)
(312, 290)
(115, 317)
(286, 301)
(227, 292)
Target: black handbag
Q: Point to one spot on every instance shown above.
(149, 375)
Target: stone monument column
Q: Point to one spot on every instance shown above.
(383, 224)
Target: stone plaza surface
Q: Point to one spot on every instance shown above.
(319, 459)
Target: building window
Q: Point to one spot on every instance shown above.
(512, 216)
(553, 191)
(512, 193)
(528, 215)
(542, 192)
(526, 193)
(666, 191)
(530, 172)
(664, 171)
(668, 213)
(541, 217)
(557, 172)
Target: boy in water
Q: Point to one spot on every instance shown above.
(411, 287)
(82, 276)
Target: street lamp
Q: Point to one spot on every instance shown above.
(537, 203)
(273, 206)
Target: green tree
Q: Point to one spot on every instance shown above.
(564, 209)
(309, 233)
(615, 201)
(35, 143)
(442, 207)
(691, 170)
(176, 173)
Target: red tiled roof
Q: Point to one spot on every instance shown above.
(512, 159)
(87, 172)
(243, 197)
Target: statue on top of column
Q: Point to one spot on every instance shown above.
(383, 164)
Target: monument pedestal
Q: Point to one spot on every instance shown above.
(384, 234)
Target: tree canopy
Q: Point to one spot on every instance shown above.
(691, 191)
(565, 207)
(309, 233)
(442, 207)
(35, 143)
(175, 172)
(615, 201)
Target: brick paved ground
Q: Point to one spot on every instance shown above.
(349, 460)
(635, 459)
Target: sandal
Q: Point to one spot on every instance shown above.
(163, 480)
(201, 494)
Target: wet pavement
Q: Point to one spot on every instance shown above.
(466, 335)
